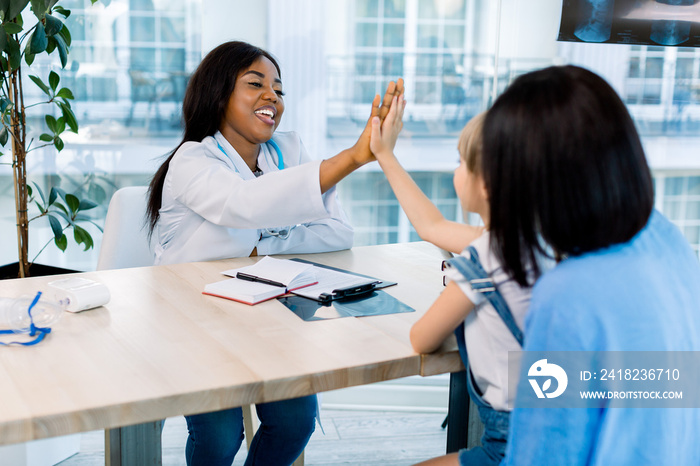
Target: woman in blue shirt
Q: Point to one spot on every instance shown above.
(567, 177)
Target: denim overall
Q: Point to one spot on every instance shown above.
(493, 442)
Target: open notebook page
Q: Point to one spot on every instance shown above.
(290, 273)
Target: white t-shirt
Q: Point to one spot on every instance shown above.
(487, 337)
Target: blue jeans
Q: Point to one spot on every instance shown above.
(285, 429)
(493, 442)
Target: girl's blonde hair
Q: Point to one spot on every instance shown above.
(470, 143)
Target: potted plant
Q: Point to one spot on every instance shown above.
(20, 43)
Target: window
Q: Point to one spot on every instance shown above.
(662, 89)
(375, 212)
(423, 41)
(679, 199)
(127, 52)
(379, 45)
(645, 75)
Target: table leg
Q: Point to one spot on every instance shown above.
(131, 445)
(457, 412)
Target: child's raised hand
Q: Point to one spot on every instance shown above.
(384, 133)
(380, 109)
(393, 90)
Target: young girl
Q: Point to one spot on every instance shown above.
(234, 187)
(489, 320)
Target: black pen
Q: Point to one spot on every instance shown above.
(253, 278)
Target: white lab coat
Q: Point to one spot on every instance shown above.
(214, 207)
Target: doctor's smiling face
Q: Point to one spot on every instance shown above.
(255, 107)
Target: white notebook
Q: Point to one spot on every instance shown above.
(288, 275)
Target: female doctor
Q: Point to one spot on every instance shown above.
(209, 201)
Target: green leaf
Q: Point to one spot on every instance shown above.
(14, 54)
(39, 8)
(54, 79)
(87, 204)
(61, 243)
(58, 143)
(41, 193)
(73, 203)
(62, 48)
(37, 80)
(12, 28)
(40, 207)
(16, 7)
(29, 190)
(50, 122)
(4, 6)
(3, 38)
(95, 224)
(46, 137)
(38, 41)
(65, 33)
(64, 211)
(60, 10)
(53, 25)
(65, 93)
(4, 136)
(5, 103)
(53, 195)
(55, 227)
(29, 58)
(69, 116)
(82, 236)
(51, 45)
(60, 125)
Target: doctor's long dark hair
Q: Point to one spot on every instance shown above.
(206, 97)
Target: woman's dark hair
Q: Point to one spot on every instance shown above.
(564, 169)
(206, 97)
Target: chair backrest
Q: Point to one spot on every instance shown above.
(125, 241)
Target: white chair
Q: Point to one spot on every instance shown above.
(125, 239)
(125, 244)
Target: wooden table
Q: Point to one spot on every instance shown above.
(161, 348)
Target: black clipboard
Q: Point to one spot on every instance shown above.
(357, 303)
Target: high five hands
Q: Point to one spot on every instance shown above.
(380, 109)
(385, 129)
(334, 169)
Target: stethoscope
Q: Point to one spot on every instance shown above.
(280, 159)
(281, 233)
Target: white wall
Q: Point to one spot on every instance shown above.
(224, 20)
(529, 28)
(296, 38)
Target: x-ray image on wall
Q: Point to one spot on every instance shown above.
(645, 22)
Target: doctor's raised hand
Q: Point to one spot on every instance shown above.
(235, 187)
